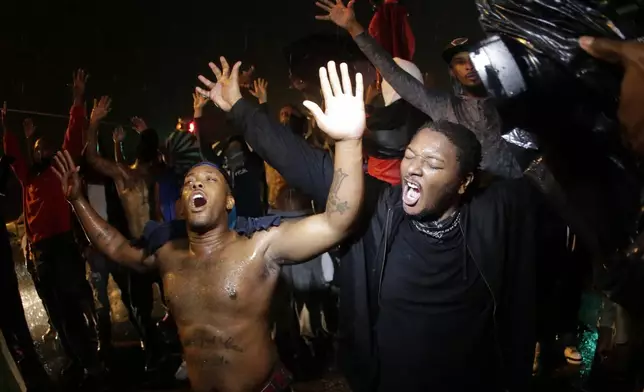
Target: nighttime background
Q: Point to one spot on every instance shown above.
(147, 55)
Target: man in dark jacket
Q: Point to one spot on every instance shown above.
(469, 106)
(437, 286)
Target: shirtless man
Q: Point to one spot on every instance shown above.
(135, 184)
(219, 284)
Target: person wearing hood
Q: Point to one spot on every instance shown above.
(390, 129)
(469, 105)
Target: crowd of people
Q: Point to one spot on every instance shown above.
(406, 226)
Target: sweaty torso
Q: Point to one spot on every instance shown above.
(135, 198)
(220, 304)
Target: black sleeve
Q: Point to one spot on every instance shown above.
(432, 102)
(302, 166)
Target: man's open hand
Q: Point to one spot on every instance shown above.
(344, 118)
(67, 173)
(101, 109)
(260, 90)
(630, 55)
(80, 80)
(138, 124)
(338, 13)
(118, 135)
(225, 93)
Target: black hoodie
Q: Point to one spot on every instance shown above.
(499, 236)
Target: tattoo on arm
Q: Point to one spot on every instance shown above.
(334, 203)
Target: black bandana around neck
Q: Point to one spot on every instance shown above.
(439, 228)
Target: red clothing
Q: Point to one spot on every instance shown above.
(46, 210)
(387, 170)
(390, 27)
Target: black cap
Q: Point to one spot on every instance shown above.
(457, 45)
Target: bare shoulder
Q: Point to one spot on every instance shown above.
(261, 241)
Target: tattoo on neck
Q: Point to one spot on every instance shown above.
(334, 203)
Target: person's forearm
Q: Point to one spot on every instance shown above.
(346, 193)
(91, 151)
(432, 102)
(119, 157)
(104, 237)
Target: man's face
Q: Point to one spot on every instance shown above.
(430, 175)
(42, 151)
(462, 69)
(206, 198)
(285, 115)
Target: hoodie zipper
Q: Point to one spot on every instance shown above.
(497, 343)
(384, 254)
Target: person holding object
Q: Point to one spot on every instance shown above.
(219, 284)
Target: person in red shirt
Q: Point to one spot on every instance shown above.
(48, 220)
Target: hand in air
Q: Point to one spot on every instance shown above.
(225, 93)
(28, 127)
(67, 173)
(344, 117)
(138, 124)
(198, 101)
(630, 55)
(118, 135)
(101, 109)
(341, 15)
(260, 90)
(80, 80)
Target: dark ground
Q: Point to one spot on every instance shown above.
(127, 372)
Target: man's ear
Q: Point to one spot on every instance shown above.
(465, 183)
(230, 202)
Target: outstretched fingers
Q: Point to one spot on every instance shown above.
(215, 69)
(206, 82)
(234, 76)
(334, 78)
(346, 79)
(327, 93)
(359, 86)
(225, 68)
(315, 110)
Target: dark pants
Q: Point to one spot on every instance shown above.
(136, 294)
(61, 282)
(13, 324)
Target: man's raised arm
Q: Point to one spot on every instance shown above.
(344, 121)
(104, 237)
(301, 165)
(430, 101)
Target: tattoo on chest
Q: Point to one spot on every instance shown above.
(205, 340)
(334, 203)
(219, 360)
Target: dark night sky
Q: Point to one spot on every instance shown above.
(147, 54)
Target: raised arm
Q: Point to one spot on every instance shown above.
(301, 165)
(98, 163)
(118, 136)
(73, 141)
(104, 237)
(430, 101)
(344, 121)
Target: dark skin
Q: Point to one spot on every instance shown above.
(462, 69)
(219, 284)
(431, 164)
(132, 182)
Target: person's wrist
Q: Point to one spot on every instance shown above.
(354, 28)
(198, 112)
